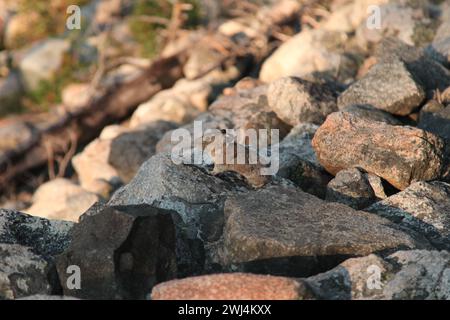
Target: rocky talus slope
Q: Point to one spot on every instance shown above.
(359, 207)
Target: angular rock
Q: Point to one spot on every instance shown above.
(188, 190)
(22, 273)
(423, 207)
(295, 100)
(231, 286)
(398, 154)
(75, 97)
(121, 252)
(388, 86)
(285, 231)
(61, 199)
(130, 149)
(404, 275)
(351, 187)
(46, 238)
(431, 74)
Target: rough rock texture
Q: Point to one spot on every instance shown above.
(435, 118)
(232, 286)
(295, 100)
(431, 74)
(121, 251)
(61, 199)
(405, 275)
(298, 162)
(188, 190)
(372, 113)
(284, 231)
(423, 207)
(351, 187)
(310, 52)
(45, 237)
(130, 149)
(22, 273)
(400, 155)
(388, 86)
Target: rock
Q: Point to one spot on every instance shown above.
(16, 137)
(431, 74)
(298, 161)
(371, 113)
(308, 53)
(351, 187)
(61, 199)
(404, 275)
(243, 107)
(185, 100)
(188, 190)
(350, 15)
(46, 238)
(388, 86)
(397, 20)
(10, 94)
(96, 175)
(285, 231)
(232, 286)
(398, 154)
(295, 100)
(42, 61)
(435, 118)
(22, 273)
(423, 207)
(130, 149)
(75, 97)
(121, 251)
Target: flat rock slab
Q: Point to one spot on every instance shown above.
(232, 286)
(279, 222)
(398, 154)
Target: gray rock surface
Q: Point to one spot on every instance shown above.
(388, 86)
(282, 230)
(22, 273)
(423, 207)
(403, 275)
(351, 187)
(295, 100)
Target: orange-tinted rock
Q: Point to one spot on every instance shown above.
(398, 154)
(231, 286)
